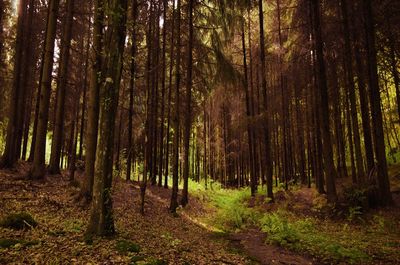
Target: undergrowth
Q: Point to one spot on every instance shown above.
(326, 239)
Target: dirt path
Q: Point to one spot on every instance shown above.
(250, 242)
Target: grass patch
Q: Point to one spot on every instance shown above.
(303, 234)
(157, 262)
(125, 246)
(73, 225)
(18, 221)
(9, 242)
(231, 211)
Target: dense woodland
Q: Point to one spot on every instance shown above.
(260, 97)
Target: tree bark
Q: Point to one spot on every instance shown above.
(39, 167)
(377, 122)
(93, 100)
(188, 112)
(54, 166)
(267, 142)
(331, 173)
(101, 219)
(175, 164)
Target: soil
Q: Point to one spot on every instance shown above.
(181, 239)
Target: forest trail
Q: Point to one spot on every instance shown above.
(250, 242)
(177, 240)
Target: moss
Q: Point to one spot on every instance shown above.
(18, 221)
(136, 259)
(157, 262)
(125, 246)
(9, 242)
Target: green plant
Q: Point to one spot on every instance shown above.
(18, 221)
(157, 262)
(125, 246)
(355, 213)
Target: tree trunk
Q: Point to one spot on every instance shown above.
(131, 89)
(101, 219)
(331, 173)
(16, 109)
(267, 142)
(188, 112)
(39, 167)
(377, 123)
(175, 164)
(54, 166)
(93, 100)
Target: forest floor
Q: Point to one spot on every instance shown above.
(155, 238)
(219, 226)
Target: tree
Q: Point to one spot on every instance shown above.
(324, 105)
(39, 167)
(267, 142)
(374, 93)
(131, 88)
(101, 216)
(93, 99)
(175, 158)
(16, 109)
(188, 112)
(54, 166)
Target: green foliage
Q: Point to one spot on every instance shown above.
(355, 213)
(157, 262)
(125, 246)
(232, 211)
(18, 221)
(9, 242)
(73, 225)
(355, 197)
(304, 235)
(136, 259)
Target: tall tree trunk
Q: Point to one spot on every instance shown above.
(93, 100)
(175, 164)
(377, 122)
(352, 95)
(131, 89)
(11, 154)
(39, 167)
(171, 66)
(248, 110)
(163, 81)
(188, 112)
(54, 166)
(26, 81)
(331, 173)
(101, 218)
(267, 142)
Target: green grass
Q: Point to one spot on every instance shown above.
(305, 234)
(329, 240)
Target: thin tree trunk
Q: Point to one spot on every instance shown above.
(11, 154)
(267, 142)
(175, 164)
(379, 141)
(331, 173)
(93, 100)
(54, 166)
(39, 167)
(188, 112)
(131, 89)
